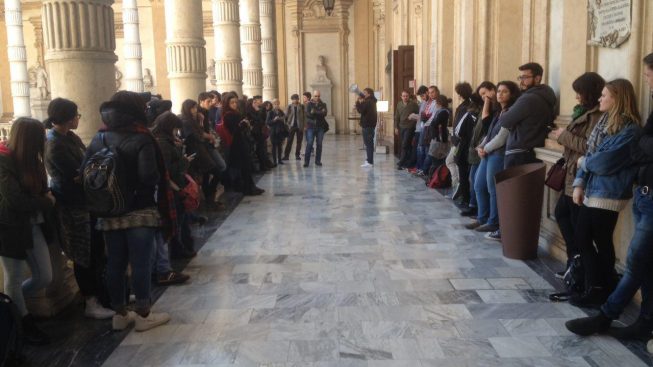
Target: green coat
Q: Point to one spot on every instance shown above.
(16, 209)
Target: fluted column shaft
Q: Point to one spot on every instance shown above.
(80, 41)
(132, 47)
(250, 47)
(268, 51)
(185, 51)
(17, 59)
(226, 30)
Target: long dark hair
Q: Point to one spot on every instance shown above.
(589, 87)
(165, 125)
(225, 104)
(60, 111)
(27, 143)
(186, 107)
(515, 92)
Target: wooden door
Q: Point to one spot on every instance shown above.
(403, 72)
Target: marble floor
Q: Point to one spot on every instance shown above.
(340, 266)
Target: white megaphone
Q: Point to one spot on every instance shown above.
(354, 89)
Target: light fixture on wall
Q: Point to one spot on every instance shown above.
(328, 6)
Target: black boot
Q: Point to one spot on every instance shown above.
(639, 330)
(589, 325)
(593, 297)
(32, 334)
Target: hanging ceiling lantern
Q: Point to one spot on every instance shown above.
(328, 6)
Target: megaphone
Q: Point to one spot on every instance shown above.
(354, 89)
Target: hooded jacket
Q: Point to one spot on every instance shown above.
(529, 118)
(137, 152)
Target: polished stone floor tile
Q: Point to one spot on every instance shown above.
(339, 266)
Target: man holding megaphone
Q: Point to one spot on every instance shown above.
(366, 106)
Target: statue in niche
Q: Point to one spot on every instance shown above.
(148, 82)
(118, 78)
(321, 68)
(39, 80)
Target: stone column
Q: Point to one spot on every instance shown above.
(186, 54)
(226, 29)
(268, 53)
(79, 54)
(17, 59)
(132, 47)
(250, 47)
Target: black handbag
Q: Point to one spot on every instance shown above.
(555, 178)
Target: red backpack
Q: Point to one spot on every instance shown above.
(441, 178)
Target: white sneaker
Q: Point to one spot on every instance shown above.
(121, 322)
(367, 164)
(151, 321)
(94, 310)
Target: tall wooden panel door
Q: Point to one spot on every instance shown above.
(403, 73)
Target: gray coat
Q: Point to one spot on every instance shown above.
(301, 116)
(528, 120)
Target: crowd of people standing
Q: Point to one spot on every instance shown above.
(606, 152)
(162, 167)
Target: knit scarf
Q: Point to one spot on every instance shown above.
(598, 134)
(579, 110)
(165, 196)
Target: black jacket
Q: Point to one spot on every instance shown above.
(528, 120)
(367, 109)
(316, 114)
(175, 162)
(642, 152)
(137, 152)
(17, 206)
(63, 156)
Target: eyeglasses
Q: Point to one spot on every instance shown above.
(524, 77)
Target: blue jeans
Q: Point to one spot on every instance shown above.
(639, 263)
(485, 187)
(368, 140)
(313, 134)
(413, 154)
(219, 161)
(428, 160)
(39, 264)
(160, 255)
(472, 178)
(133, 246)
(422, 152)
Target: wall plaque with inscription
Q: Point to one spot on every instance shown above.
(609, 22)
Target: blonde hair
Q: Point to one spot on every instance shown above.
(625, 105)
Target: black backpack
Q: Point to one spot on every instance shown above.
(11, 339)
(574, 278)
(103, 180)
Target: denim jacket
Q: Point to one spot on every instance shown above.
(610, 171)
